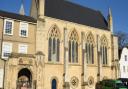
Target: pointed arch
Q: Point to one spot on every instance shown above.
(73, 46)
(104, 40)
(74, 35)
(104, 50)
(89, 45)
(90, 38)
(54, 43)
(54, 31)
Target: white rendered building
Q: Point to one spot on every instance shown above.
(124, 63)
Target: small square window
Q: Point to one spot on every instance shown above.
(23, 48)
(23, 29)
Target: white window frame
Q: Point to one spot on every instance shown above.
(21, 29)
(6, 43)
(124, 69)
(125, 57)
(25, 45)
(5, 26)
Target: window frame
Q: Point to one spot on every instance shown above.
(124, 69)
(6, 43)
(104, 50)
(90, 53)
(125, 57)
(5, 21)
(53, 55)
(20, 29)
(54, 81)
(21, 45)
(73, 52)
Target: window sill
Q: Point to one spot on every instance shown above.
(54, 63)
(91, 65)
(105, 66)
(8, 34)
(23, 36)
(74, 64)
(5, 58)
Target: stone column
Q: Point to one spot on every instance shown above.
(116, 58)
(100, 56)
(39, 77)
(10, 74)
(99, 59)
(85, 67)
(84, 62)
(41, 8)
(66, 77)
(40, 70)
(7, 77)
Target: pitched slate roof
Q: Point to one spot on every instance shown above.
(17, 16)
(68, 11)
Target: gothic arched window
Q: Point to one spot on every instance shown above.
(54, 84)
(104, 50)
(54, 45)
(90, 49)
(73, 47)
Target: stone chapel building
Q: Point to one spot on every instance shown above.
(61, 45)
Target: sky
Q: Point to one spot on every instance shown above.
(119, 9)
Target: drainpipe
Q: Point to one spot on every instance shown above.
(1, 51)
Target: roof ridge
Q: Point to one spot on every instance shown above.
(82, 6)
(12, 13)
(69, 11)
(16, 16)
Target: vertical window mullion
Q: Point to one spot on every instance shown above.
(87, 53)
(103, 55)
(76, 52)
(58, 49)
(92, 54)
(54, 45)
(49, 51)
(69, 51)
(72, 51)
(106, 54)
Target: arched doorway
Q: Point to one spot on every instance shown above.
(54, 84)
(24, 80)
